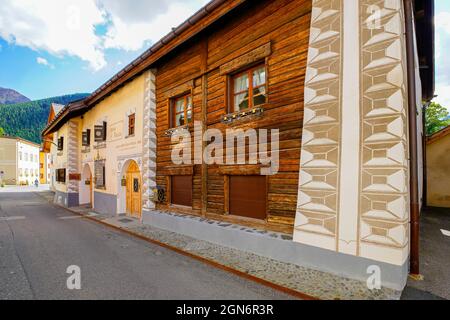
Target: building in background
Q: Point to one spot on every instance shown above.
(44, 168)
(438, 169)
(49, 145)
(19, 161)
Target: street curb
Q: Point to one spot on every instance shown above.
(217, 265)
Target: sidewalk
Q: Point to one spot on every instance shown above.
(303, 281)
(19, 189)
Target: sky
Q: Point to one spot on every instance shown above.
(55, 47)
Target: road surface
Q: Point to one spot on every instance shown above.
(37, 247)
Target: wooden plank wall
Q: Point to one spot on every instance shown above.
(283, 23)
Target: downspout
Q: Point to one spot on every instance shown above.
(413, 150)
(425, 170)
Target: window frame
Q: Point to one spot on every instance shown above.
(249, 71)
(173, 112)
(131, 125)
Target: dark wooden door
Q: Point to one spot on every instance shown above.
(248, 196)
(182, 190)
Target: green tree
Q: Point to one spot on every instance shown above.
(436, 118)
(2, 132)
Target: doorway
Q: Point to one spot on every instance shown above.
(86, 188)
(133, 191)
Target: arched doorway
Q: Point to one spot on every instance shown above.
(86, 188)
(133, 190)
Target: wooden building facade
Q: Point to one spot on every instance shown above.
(268, 40)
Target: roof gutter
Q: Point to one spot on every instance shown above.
(413, 145)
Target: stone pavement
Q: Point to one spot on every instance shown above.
(307, 281)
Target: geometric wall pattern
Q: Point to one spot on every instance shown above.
(72, 156)
(366, 212)
(149, 141)
(318, 196)
(384, 218)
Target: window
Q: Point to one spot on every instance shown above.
(61, 144)
(182, 110)
(61, 175)
(248, 89)
(20, 155)
(41, 166)
(131, 124)
(100, 174)
(26, 156)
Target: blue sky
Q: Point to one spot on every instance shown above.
(50, 48)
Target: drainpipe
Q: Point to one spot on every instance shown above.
(425, 170)
(412, 114)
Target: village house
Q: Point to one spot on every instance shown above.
(337, 98)
(19, 161)
(438, 173)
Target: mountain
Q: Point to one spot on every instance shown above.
(9, 96)
(27, 120)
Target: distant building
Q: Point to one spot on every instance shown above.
(19, 161)
(49, 145)
(44, 167)
(438, 174)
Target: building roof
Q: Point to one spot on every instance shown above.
(198, 22)
(57, 108)
(21, 140)
(210, 14)
(438, 135)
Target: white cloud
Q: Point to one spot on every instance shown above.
(63, 27)
(442, 23)
(443, 95)
(130, 30)
(44, 62)
(68, 27)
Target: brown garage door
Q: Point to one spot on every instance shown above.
(248, 196)
(182, 190)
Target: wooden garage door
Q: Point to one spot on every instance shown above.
(248, 196)
(182, 190)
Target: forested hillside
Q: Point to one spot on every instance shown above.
(27, 120)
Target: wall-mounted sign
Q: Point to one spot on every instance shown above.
(100, 133)
(75, 176)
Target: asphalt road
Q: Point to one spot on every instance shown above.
(37, 247)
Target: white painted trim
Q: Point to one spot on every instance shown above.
(350, 132)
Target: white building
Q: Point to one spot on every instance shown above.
(19, 161)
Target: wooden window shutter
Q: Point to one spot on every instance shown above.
(104, 131)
